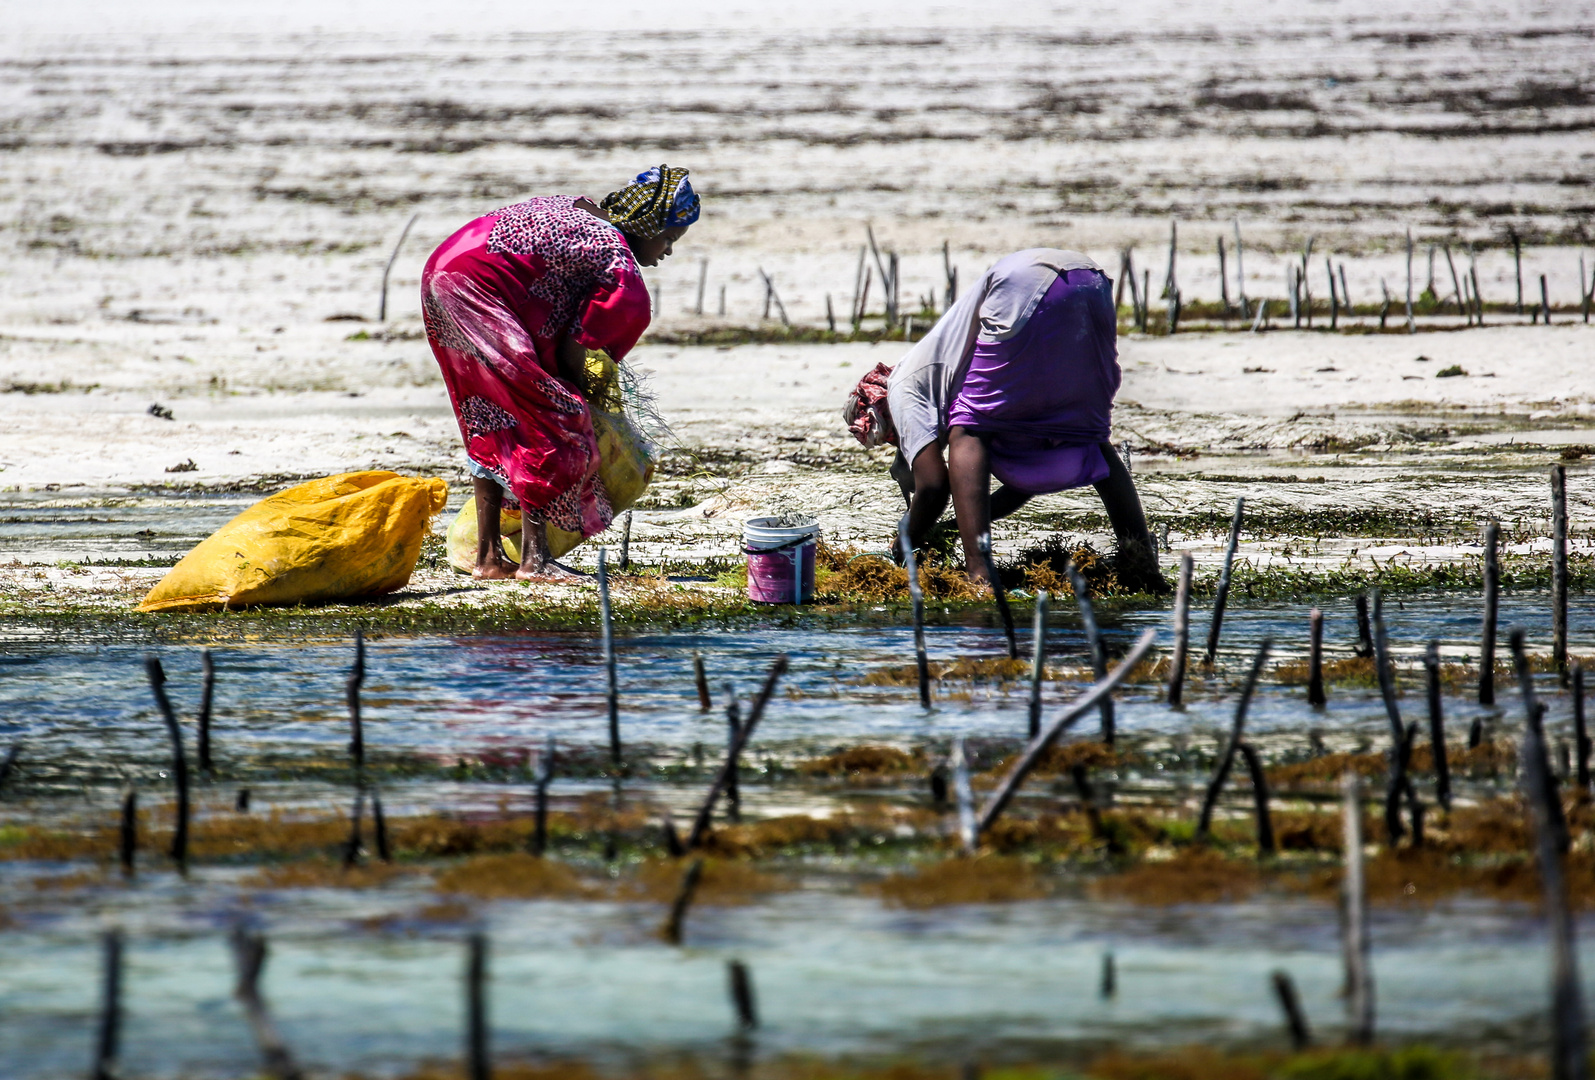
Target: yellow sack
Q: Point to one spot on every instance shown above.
(358, 534)
(623, 468)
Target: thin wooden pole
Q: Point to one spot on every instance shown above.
(1456, 284)
(1265, 823)
(1334, 296)
(382, 304)
(1182, 633)
(1580, 734)
(108, 1045)
(671, 931)
(1412, 327)
(700, 679)
(611, 683)
(999, 594)
(249, 957)
(1569, 1052)
(964, 795)
(703, 281)
(157, 679)
(478, 1062)
(1240, 269)
(1315, 659)
(917, 599)
(733, 794)
(1517, 267)
(543, 777)
(1049, 735)
(1354, 916)
(1223, 277)
(1398, 732)
(739, 981)
(1364, 646)
(1492, 603)
(1226, 760)
(1545, 302)
(1038, 661)
(1290, 1004)
(357, 676)
(700, 825)
(1222, 598)
(1093, 640)
(625, 544)
(1442, 768)
(207, 688)
(1345, 294)
(1535, 733)
(127, 849)
(1559, 568)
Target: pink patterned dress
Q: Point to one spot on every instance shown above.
(496, 297)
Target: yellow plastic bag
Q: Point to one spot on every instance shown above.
(340, 537)
(624, 469)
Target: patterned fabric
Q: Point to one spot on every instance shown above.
(497, 297)
(866, 413)
(659, 199)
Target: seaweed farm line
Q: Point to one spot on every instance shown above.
(845, 962)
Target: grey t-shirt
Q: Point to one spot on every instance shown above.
(922, 387)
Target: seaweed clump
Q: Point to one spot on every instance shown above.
(987, 879)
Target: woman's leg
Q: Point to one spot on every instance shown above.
(536, 563)
(491, 562)
(1138, 566)
(969, 475)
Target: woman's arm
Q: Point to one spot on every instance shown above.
(570, 356)
(930, 496)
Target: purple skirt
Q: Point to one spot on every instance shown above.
(1043, 399)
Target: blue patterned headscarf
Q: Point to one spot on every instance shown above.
(659, 199)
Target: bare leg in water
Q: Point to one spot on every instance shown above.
(966, 477)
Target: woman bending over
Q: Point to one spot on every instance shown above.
(1015, 381)
(512, 303)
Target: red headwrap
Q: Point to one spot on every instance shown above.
(866, 412)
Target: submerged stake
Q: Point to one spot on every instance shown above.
(476, 1049)
(110, 1035)
(612, 686)
(1265, 822)
(1492, 602)
(625, 544)
(1559, 566)
(157, 678)
(1315, 659)
(357, 676)
(671, 931)
(128, 848)
(700, 824)
(1182, 632)
(1442, 768)
(1396, 783)
(1354, 916)
(740, 983)
(1093, 640)
(1226, 761)
(207, 688)
(965, 794)
(733, 729)
(1038, 661)
(1295, 1020)
(1222, 598)
(1364, 646)
(700, 678)
(1580, 735)
(1109, 986)
(249, 956)
(545, 775)
(999, 594)
(1534, 735)
(917, 596)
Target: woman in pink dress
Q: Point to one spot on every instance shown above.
(512, 302)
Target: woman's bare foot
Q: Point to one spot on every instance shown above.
(497, 569)
(549, 572)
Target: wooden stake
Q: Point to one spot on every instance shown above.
(1049, 735)
(379, 827)
(478, 1063)
(128, 848)
(1478, 297)
(249, 957)
(8, 765)
(625, 544)
(382, 304)
(108, 1047)
(1182, 633)
(1223, 277)
(1334, 297)
(1354, 916)
(1559, 568)
(1517, 266)
(703, 280)
(830, 315)
(1222, 598)
(1412, 327)
(740, 982)
(1315, 659)
(917, 598)
(1364, 646)
(1387, 691)
(157, 678)
(1265, 823)
(1093, 640)
(1226, 760)
(1038, 661)
(700, 679)
(700, 825)
(543, 777)
(1569, 1052)
(734, 729)
(1492, 603)
(1545, 302)
(351, 847)
(357, 676)
(207, 688)
(1442, 768)
(1456, 284)
(1580, 735)
(857, 311)
(1290, 1004)
(1345, 293)
(612, 686)
(1240, 270)
(983, 542)
(964, 793)
(671, 931)
(1108, 988)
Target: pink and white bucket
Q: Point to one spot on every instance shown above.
(781, 554)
